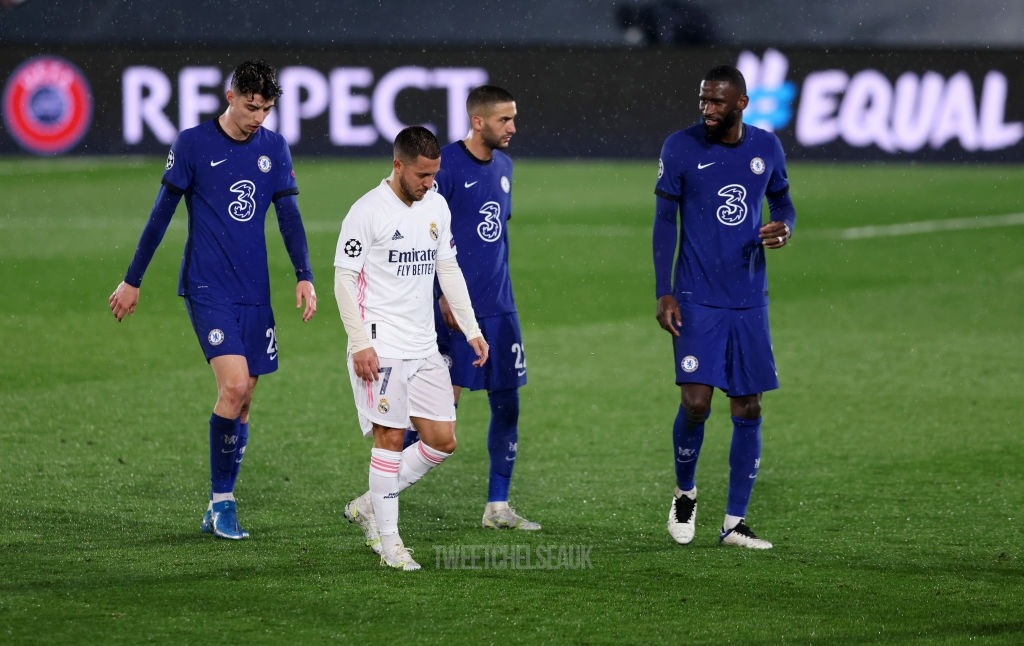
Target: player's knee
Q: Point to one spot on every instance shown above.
(697, 408)
(505, 407)
(446, 445)
(234, 393)
(746, 407)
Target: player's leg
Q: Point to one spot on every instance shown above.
(445, 337)
(432, 412)
(384, 411)
(222, 339)
(375, 402)
(502, 442)
(752, 371)
(234, 392)
(687, 440)
(243, 433)
(385, 464)
(502, 447)
(698, 352)
(744, 460)
(259, 333)
(412, 436)
(436, 444)
(502, 376)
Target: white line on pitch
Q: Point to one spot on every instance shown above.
(925, 226)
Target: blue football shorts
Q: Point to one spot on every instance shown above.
(725, 348)
(506, 365)
(227, 328)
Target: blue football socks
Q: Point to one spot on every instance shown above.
(744, 460)
(223, 443)
(243, 439)
(502, 442)
(687, 439)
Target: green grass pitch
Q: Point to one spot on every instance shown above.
(890, 481)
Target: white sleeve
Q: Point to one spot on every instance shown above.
(344, 293)
(453, 284)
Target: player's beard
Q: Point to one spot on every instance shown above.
(721, 129)
(494, 140)
(407, 192)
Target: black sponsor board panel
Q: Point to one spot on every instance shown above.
(848, 104)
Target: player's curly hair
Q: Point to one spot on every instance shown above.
(730, 75)
(414, 141)
(255, 77)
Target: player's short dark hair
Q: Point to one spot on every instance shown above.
(416, 141)
(730, 75)
(255, 77)
(486, 95)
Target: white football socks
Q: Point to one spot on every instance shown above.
(384, 466)
(691, 494)
(417, 460)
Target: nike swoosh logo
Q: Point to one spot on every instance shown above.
(469, 184)
(703, 166)
(217, 163)
(226, 451)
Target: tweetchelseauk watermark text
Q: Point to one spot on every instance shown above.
(512, 557)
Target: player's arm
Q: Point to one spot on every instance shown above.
(126, 296)
(446, 312)
(364, 357)
(289, 221)
(453, 285)
(782, 218)
(664, 242)
(782, 215)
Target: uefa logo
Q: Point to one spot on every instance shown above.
(47, 105)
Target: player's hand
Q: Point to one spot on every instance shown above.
(366, 364)
(775, 235)
(304, 291)
(446, 313)
(481, 349)
(668, 314)
(123, 300)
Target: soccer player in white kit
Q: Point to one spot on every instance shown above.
(394, 241)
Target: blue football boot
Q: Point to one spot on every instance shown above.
(223, 521)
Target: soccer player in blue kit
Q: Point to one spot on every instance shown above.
(229, 170)
(714, 178)
(476, 180)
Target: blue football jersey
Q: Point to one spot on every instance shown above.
(721, 189)
(228, 186)
(479, 195)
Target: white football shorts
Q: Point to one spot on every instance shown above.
(405, 388)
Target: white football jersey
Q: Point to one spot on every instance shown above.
(394, 248)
